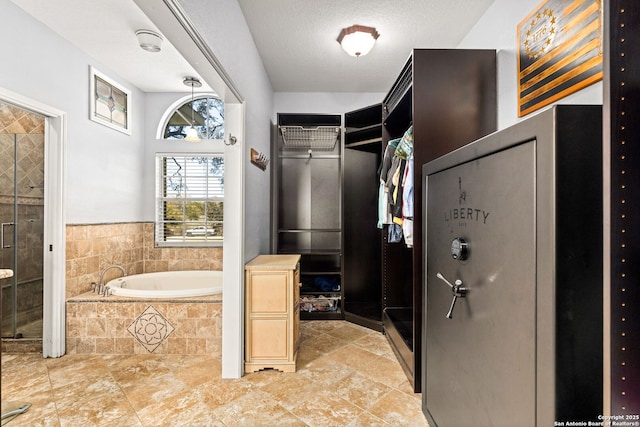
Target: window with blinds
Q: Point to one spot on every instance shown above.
(189, 199)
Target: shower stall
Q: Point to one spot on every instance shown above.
(22, 222)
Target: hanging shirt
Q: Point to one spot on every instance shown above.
(407, 192)
(383, 206)
(407, 203)
(384, 212)
(396, 207)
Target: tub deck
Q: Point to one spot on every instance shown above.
(93, 297)
(126, 325)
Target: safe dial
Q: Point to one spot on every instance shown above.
(459, 249)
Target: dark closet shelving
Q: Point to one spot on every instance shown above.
(362, 238)
(307, 207)
(363, 128)
(449, 96)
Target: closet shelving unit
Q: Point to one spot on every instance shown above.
(362, 238)
(449, 96)
(307, 207)
(363, 128)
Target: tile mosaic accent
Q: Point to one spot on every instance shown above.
(150, 328)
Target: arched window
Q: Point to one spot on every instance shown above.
(208, 118)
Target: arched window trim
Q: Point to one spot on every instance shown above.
(173, 108)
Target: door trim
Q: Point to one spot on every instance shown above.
(53, 329)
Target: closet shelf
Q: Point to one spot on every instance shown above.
(308, 251)
(321, 273)
(322, 138)
(309, 230)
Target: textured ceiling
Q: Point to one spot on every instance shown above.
(105, 30)
(296, 39)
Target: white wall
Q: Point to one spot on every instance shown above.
(104, 178)
(497, 29)
(321, 103)
(231, 42)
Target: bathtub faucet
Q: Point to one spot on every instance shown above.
(103, 290)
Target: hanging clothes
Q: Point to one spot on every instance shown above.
(407, 203)
(395, 233)
(384, 215)
(405, 146)
(396, 201)
(395, 194)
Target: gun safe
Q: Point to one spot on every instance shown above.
(513, 275)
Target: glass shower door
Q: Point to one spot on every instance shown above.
(7, 220)
(22, 219)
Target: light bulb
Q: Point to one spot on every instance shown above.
(192, 135)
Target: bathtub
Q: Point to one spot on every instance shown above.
(169, 284)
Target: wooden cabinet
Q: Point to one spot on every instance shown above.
(272, 312)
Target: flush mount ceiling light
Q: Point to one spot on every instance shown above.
(149, 40)
(357, 40)
(192, 132)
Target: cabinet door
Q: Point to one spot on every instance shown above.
(269, 293)
(268, 339)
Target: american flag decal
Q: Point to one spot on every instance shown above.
(559, 51)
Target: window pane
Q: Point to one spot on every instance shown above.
(190, 200)
(206, 114)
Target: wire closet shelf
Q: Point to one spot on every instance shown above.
(320, 138)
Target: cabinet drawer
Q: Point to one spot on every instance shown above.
(268, 293)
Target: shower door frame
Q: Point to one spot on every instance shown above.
(53, 333)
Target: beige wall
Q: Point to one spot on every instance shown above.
(91, 248)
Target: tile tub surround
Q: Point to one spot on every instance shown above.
(92, 247)
(347, 376)
(121, 325)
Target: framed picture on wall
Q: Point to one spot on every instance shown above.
(109, 102)
(559, 51)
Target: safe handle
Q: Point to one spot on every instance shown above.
(4, 224)
(457, 290)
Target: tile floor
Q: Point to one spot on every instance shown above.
(347, 376)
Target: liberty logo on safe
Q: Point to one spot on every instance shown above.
(465, 213)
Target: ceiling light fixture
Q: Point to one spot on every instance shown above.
(357, 40)
(149, 40)
(192, 132)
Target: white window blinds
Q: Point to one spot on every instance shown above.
(189, 199)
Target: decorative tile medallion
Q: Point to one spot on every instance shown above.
(150, 328)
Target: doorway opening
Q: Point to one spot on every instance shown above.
(34, 309)
(22, 226)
